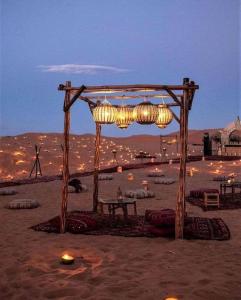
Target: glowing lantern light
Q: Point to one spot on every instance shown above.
(165, 116)
(130, 176)
(145, 113)
(105, 113)
(67, 259)
(124, 117)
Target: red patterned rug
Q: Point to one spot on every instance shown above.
(83, 222)
(227, 203)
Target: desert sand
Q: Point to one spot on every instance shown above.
(111, 267)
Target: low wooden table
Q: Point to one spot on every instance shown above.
(114, 204)
(225, 187)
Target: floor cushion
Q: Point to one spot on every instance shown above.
(160, 231)
(22, 203)
(163, 217)
(83, 188)
(139, 194)
(164, 180)
(80, 223)
(7, 192)
(105, 177)
(200, 192)
(155, 174)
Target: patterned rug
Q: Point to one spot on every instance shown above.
(83, 222)
(227, 203)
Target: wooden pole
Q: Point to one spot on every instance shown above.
(180, 205)
(96, 167)
(65, 160)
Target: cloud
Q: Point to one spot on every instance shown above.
(80, 69)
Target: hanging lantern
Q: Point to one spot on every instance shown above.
(165, 116)
(145, 113)
(105, 113)
(124, 116)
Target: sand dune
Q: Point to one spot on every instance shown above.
(17, 153)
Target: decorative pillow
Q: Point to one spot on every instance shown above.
(22, 203)
(7, 192)
(83, 188)
(139, 194)
(155, 174)
(81, 223)
(105, 177)
(160, 231)
(164, 180)
(164, 217)
(200, 192)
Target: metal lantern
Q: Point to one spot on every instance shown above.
(145, 113)
(165, 116)
(105, 113)
(124, 116)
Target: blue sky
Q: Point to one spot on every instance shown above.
(150, 41)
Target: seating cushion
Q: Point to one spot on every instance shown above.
(155, 174)
(7, 192)
(105, 177)
(22, 203)
(160, 231)
(220, 178)
(200, 192)
(80, 223)
(164, 180)
(139, 194)
(163, 217)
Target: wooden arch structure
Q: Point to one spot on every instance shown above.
(181, 96)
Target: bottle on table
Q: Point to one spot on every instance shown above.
(119, 195)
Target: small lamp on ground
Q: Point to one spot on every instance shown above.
(130, 177)
(145, 185)
(67, 259)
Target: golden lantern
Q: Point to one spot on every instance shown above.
(165, 116)
(145, 113)
(105, 113)
(124, 116)
(130, 176)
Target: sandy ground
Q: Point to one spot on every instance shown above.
(109, 267)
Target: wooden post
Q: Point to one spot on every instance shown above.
(180, 205)
(65, 160)
(96, 167)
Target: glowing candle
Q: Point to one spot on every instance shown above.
(66, 259)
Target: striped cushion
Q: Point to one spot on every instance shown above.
(22, 203)
(164, 180)
(163, 217)
(139, 194)
(105, 177)
(7, 192)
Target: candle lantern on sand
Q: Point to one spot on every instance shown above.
(67, 259)
(145, 185)
(130, 177)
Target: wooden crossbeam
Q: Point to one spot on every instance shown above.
(75, 97)
(129, 88)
